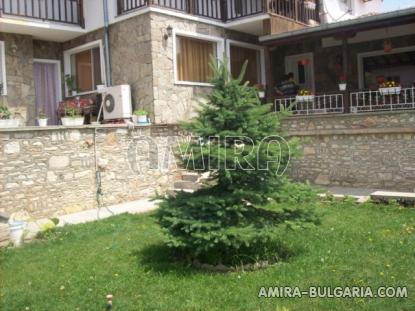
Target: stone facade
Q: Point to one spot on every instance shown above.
(19, 76)
(375, 151)
(51, 172)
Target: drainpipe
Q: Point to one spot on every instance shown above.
(108, 70)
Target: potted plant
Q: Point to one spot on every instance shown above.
(261, 90)
(42, 119)
(343, 83)
(140, 116)
(73, 117)
(70, 84)
(304, 96)
(6, 119)
(390, 88)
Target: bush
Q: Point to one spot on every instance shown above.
(241, 214)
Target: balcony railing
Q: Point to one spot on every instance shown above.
(360, 101)
(299, 10)
(375, 101)
(319, 104)
(60, 11)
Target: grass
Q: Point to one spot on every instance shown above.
(366, 245)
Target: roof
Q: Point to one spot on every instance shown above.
(359, 24)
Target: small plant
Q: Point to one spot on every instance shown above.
(42, 116)
(260, 87)
(390, 83)
(140, 112)
(304, 92)
(70, 82)
(5, 113)
(72, 112)
(343, 79)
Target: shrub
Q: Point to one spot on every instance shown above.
(242, 212)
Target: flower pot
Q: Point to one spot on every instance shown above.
(390, 90)
(304, 98)
(16, 232)
(342, 86)
(74, 93)
(142, 119)
(67, 121)
(42, 122)
(261, 94)
(9, 123)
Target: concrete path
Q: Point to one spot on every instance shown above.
(135, 207)
(361, 195)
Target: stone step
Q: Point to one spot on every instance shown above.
(188, 185)
(193, 177)
(386, 196)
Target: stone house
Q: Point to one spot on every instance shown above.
(160, 48)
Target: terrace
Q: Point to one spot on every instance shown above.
(59, 11)
(296, 10)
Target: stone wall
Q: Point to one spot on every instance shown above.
(19, 76)
(374, 150)
(50, 172)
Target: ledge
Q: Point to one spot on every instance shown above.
(82, 127)
(350, 115)
(365, 131)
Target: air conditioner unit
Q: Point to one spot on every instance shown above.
(116, 101)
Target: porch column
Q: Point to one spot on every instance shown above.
(345, 57)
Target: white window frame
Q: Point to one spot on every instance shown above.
(259, 48)
(67, 62)
(3, 67)
(361, 56)
(220, 49)
(310, 56)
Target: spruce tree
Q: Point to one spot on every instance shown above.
(238, 216)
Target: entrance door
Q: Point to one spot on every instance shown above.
(47, 88)
(302, 66)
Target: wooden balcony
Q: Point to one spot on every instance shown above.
(59, 11)
(301, 11)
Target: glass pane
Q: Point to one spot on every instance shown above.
(193, 58)
(83, 73)
(239, 56)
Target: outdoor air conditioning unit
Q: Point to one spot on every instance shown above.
(116, 101)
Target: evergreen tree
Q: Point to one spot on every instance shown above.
(238, 216)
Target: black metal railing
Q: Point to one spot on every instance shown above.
(61, 11)
(228, 10)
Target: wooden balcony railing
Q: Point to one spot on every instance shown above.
(61, 11)
(228, 10)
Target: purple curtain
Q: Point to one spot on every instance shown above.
(45, 76)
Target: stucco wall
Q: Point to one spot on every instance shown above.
(51, 172)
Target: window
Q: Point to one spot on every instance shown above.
(239, 53)
(84, 63)
(3, 69)
(193, 54)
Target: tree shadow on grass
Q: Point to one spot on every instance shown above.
(161, 258)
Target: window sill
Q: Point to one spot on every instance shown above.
(186, 83)
(81, 94)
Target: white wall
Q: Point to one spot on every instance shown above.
(340, 10)
(94, 13)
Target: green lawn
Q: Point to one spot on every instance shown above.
(366, 245)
